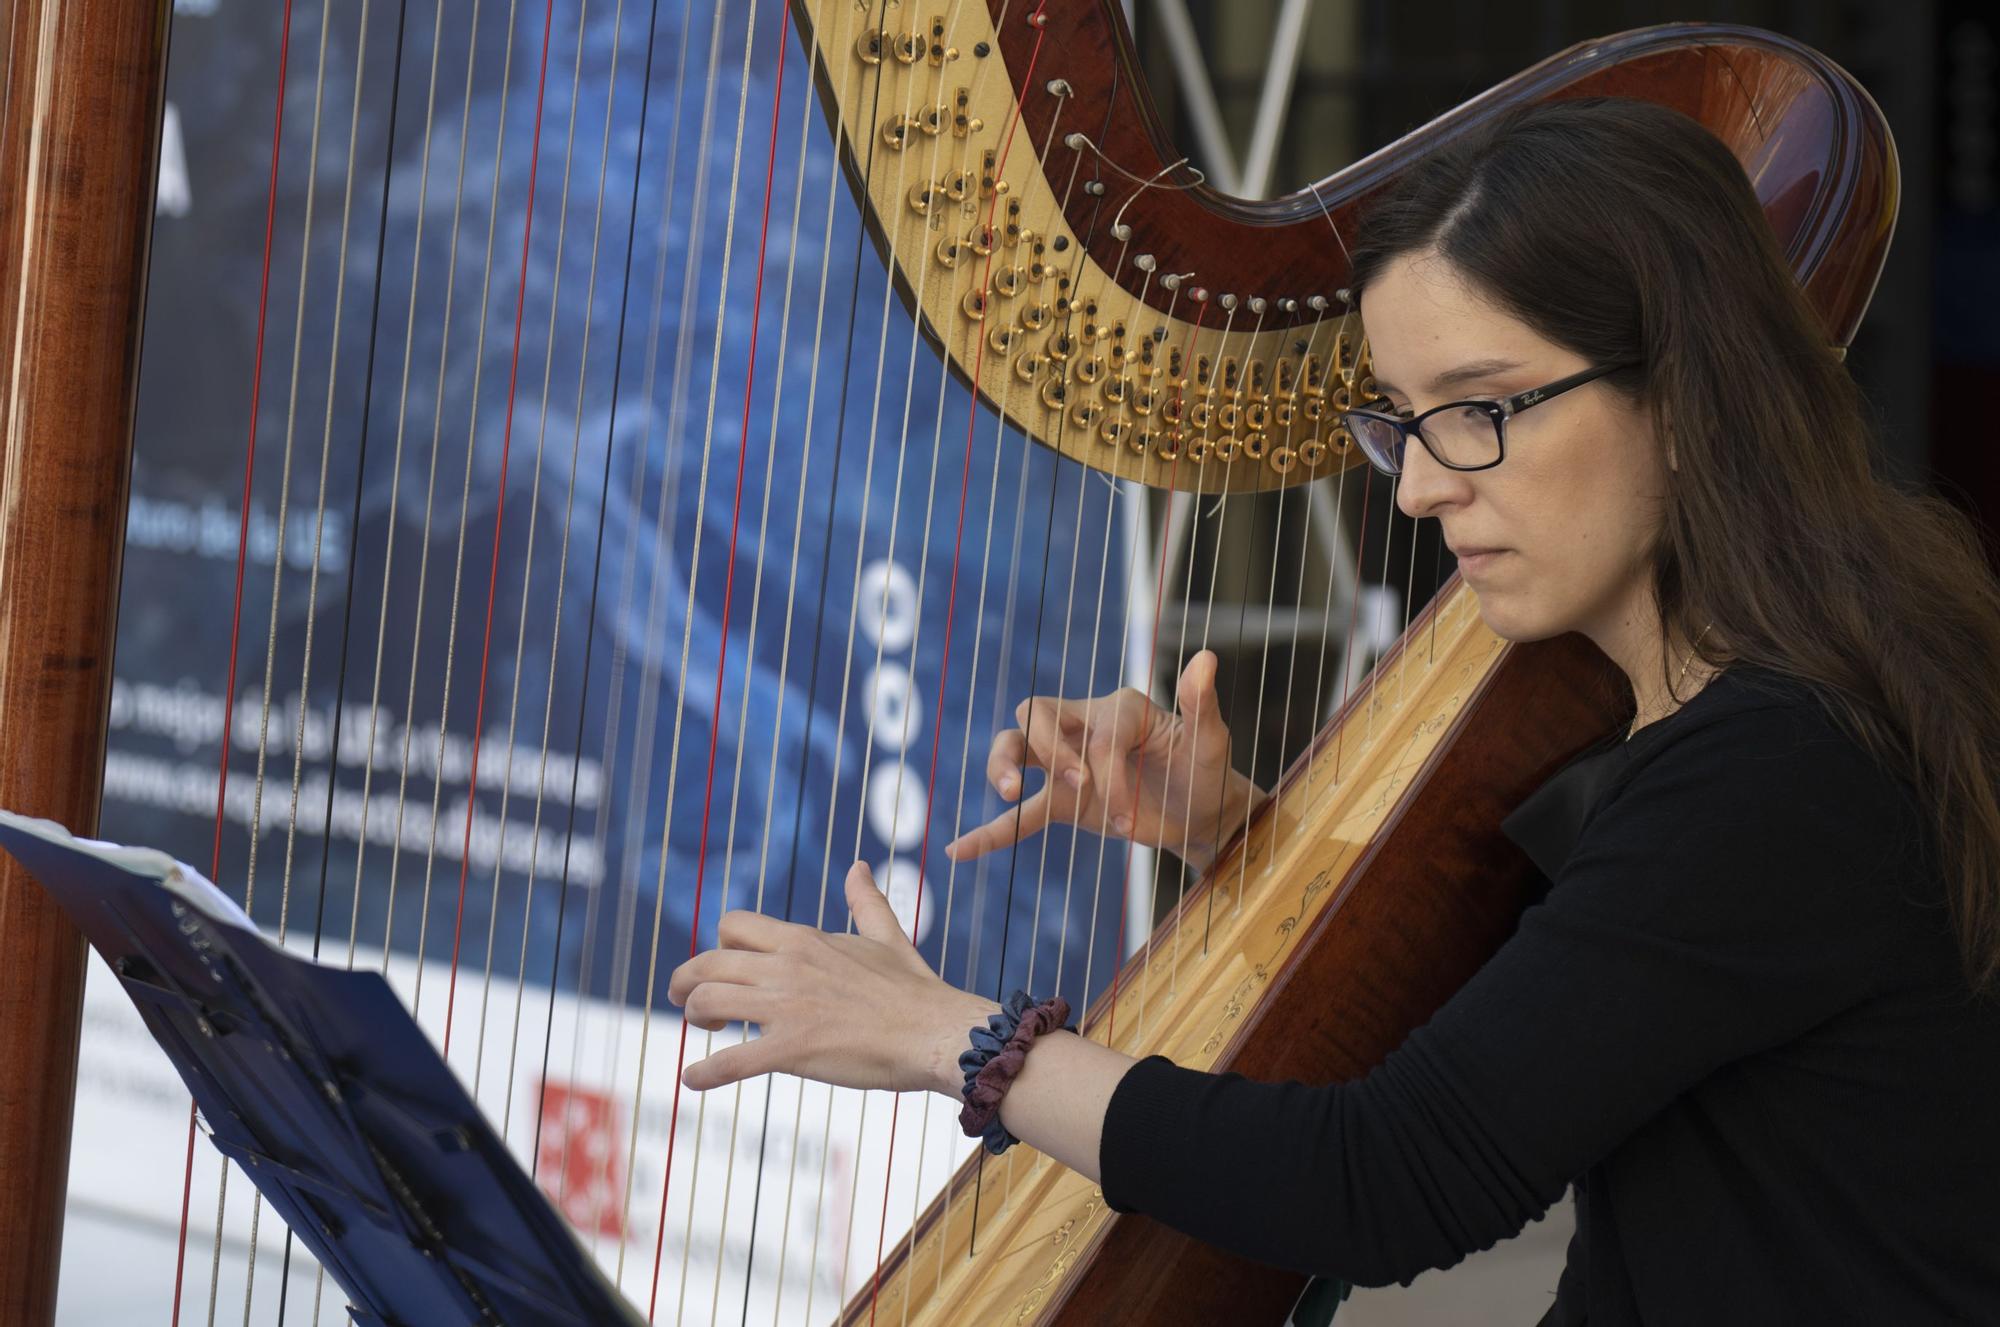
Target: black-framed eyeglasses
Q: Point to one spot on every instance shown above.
(1459, 435)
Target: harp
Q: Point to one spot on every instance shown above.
(1024, 203)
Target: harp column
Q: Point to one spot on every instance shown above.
(80, 95)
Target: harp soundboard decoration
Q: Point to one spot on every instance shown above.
(677, 435)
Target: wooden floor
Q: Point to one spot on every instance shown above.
(1509, 1285)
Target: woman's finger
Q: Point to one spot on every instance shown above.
(759, 1055)
(714, 1004)
(1117, 732)
(873, 917)
(742, 966)
(1010, 826)
(1067, 714)
(1053, 747)
(741, 929)
(1201, 709)
(1004, 761)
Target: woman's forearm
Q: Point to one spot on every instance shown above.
(1057, 1103)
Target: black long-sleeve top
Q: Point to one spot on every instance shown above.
(1735, 1022)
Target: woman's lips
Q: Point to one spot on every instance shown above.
(1471, 564)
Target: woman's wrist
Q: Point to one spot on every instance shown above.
(957, 1017)
(1240, 799)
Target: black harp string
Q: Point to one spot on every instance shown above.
(812, 57)
(1074, 298)
(271, 633)
(623, 922)
(562, 576)
(1292, 655)
(686, 319)
(534, 505)
(847, 663)
(590, 615)
(353, 526)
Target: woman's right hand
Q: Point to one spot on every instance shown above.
(1121, 765)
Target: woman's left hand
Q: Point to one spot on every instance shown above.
(860, 1010)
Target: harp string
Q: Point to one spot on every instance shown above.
(785, 646)
(562, 581)
(847, 668)
(1096, 639)
(894, 522)
(715, 725)
(499, 521)
(590, 618)
(465, 505)
(944, 670)
(1190, 506)
(1136, 498)
(749, 43)
(965, 745)
(236, 612)
(354, 522)
(1174, 284)
(528, 565)
(1041, 597)
(1285, 756)
(1057, 88)
(756, 605)
(625, 923)
(271, 638)
(1056, 469)
(396, 457)
(819, 621)
(1090, 674)
(1221, 513)
(681, 368)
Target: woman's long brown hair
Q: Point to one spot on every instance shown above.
(1624, 230)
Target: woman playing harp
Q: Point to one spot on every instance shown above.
(1753, 1019)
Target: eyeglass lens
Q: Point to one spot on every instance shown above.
(1464, 438)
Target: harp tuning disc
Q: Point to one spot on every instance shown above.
(1199, 294)
(1317, 304)
(1121, 232)
(1288, 305)
(1145, 262)
(1171, 281)
(1258, 304)
(1038, 19)
(1345, 296)
(1228, 302)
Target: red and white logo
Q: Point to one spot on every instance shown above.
(577, 1157)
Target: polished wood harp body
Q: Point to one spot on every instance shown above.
(1148, 327)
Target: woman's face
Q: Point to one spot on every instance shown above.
(1577, 502)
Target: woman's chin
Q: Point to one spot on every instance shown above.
(1509, 621)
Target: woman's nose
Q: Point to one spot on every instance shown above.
(1425, 485)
